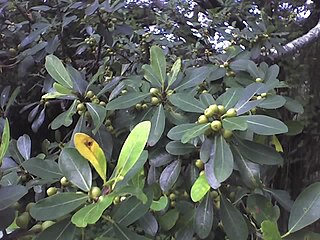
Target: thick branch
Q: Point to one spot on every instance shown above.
(299, 43)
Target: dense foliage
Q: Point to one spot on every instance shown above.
(146, 120)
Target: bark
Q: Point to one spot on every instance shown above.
(299, 43)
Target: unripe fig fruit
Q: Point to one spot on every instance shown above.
(216, 125)
(51, 191)
(202, 119)
(232, 112)
(94, 192)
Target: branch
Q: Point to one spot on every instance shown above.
(299, 43)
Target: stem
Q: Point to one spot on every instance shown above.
(286, 234)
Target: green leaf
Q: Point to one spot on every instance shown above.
(204, 217)
(262, 209)
(253, 69)
(75, 168)
(159, 205)
(169, 219)
(233, 221)
(244, 104)
(133, 147)
(194, 132)
(170, 175)
(61, 89)
(223, 159)
(57, 71)
(90, 214)
(265, 125)
(151, 76)
(57, 206)
(235, 123)
(272, 73)
(158, 122)
(230, 97)
(206, 149)
(178, 148)
(98, 114)
(131, 209)
(61, 230)
(64, 118)
(239, 65)
(294, 127)
(206, 99)
(124, 233)
(186, 103)
(10, 194)
(176, 67)
(126, 101)
(194, 76)
(24, 146)
(272, 102)
(249, 171)
(199, 188)
(177, 132)
(5, 139)
(45, 169)
(270, 230)
(158, 62)
(306, 208)
(259, 153)
(282, 197)
(293, 105)
(149, 224)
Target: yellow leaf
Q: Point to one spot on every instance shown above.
(91, 150)
(275, 141)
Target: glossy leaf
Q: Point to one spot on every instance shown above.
(206, 99)
(98, 114)
(5, 140)
(158, 62)
(293, 105)
(249, 171)
(194, 76)
(169, 219)
(199, 188)
(90, 214)
(235, 123)
(270, 230)
(282, 197)
(233, 221)
(10, 194)
(265, 125)
(262, 209)
(230, 97)
(159, 205)
(158, 121)
(57, 71)
(306, 208)
(170, 175)
(149, 224)
(160, 158)
(126, 101)
(223, 160)
(273, 102)
(177, 132)
(45, 169)
(206, 149)
(178, 148)
(57, 206)
(24, 146)
(64, 118)
(124, 233)
(246, 96)
(75, 168)
(131, 210)
(61, 230)
(204, 217)
(151, 76)
(259, 153)
(195, 132)
(186, 103)
(173, 75)
(133, 147)
(91, 150)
